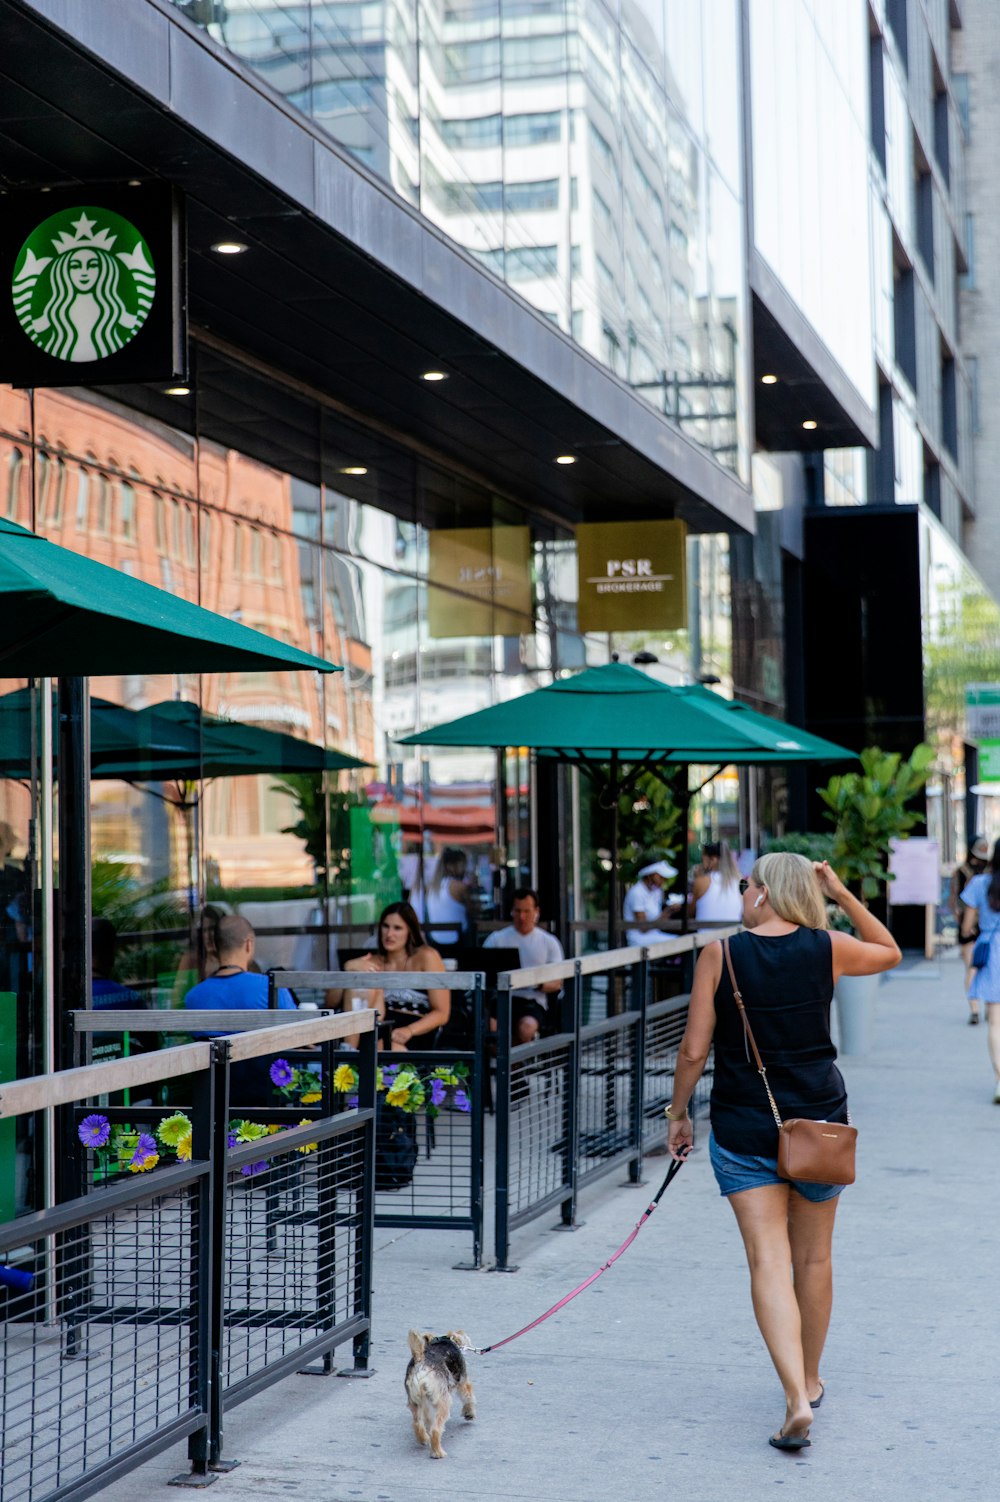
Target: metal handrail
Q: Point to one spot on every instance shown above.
(185, 1020)
(378, 980)
(18, 1097)
(612, 959)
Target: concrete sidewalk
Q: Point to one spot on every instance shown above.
(655, 1382)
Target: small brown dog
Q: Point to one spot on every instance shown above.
(436, 1370)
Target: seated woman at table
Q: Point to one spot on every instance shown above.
(414, 1016)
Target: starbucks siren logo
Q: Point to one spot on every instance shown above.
(83, 284)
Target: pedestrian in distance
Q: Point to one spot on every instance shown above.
(446, 907)
(786, 963)
(715, 891)
(982, 908)
(973, 865)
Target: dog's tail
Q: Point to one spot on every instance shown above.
(418, 1343)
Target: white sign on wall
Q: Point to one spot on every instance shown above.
(916, 865)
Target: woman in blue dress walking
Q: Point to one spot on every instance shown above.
(982, 900)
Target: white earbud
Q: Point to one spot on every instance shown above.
(760, 899)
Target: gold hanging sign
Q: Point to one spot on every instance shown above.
(479, 582)
(632, 576)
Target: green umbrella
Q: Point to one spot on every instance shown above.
(116, 735)
(608, 711)
(68, 616)
(614, 715)
(776, 740)
(217, 747)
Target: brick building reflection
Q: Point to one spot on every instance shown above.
(211, 525)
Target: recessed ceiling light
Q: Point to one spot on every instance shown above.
(354, 469)
(769, 380)
(178, 391)
(135, 182)
(229, 247)
(809, 424)
(565, 458)
(434, 375)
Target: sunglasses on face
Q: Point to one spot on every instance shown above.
(744, 886)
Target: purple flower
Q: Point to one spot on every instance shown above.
(249, 1169)
(231, 1139)
(462, 1101)
(438, 1092)
(352, 1102)
(282, 1073)
(145, 1149)
(94, 1131)
(389, 1073)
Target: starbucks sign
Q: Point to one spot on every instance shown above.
(84, 283)
(95, 289)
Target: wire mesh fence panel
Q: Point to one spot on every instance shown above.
(439, 1185)
(104, 1355)
(665, 1024)
(606, 1078)
(538, 1141)
(293, 1237)
(428, 1139)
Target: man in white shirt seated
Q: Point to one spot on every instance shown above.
(529, 1007)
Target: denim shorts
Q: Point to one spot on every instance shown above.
(736, 1171)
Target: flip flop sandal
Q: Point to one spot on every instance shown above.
(782, 1441)
(815, 1402)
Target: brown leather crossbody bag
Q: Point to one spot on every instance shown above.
(817, 1152)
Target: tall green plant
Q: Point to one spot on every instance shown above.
(314, 809)
(868, 809)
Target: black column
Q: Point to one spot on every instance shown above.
(553, 845)
(74, 899)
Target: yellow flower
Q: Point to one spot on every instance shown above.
(273, 1130)
(172, 1129)
(145, 1166)
(398, 1095)
(184, 1149)
(308, 1147)
(311, 1098)
(344, 1078)
(250, 1131)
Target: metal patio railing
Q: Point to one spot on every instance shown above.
(587, 1100)
(141, 1309)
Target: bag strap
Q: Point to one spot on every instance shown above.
(748, 1033)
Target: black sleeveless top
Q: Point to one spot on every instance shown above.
(786, 981)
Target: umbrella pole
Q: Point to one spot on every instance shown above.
(613, 874)
(684, 860)
(47, 959)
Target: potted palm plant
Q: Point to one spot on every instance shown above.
(868, 810)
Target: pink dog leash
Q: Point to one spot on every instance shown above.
(672, 1171)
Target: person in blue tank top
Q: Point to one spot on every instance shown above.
(981, 899)
(786, 963)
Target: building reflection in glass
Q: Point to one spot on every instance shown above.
(586, 153)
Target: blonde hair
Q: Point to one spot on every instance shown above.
(792, 887)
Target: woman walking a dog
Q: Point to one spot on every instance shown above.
(786, 964)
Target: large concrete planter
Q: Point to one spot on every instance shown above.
(855, 996)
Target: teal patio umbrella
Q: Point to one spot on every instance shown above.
(607, 718)
(69, 616)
